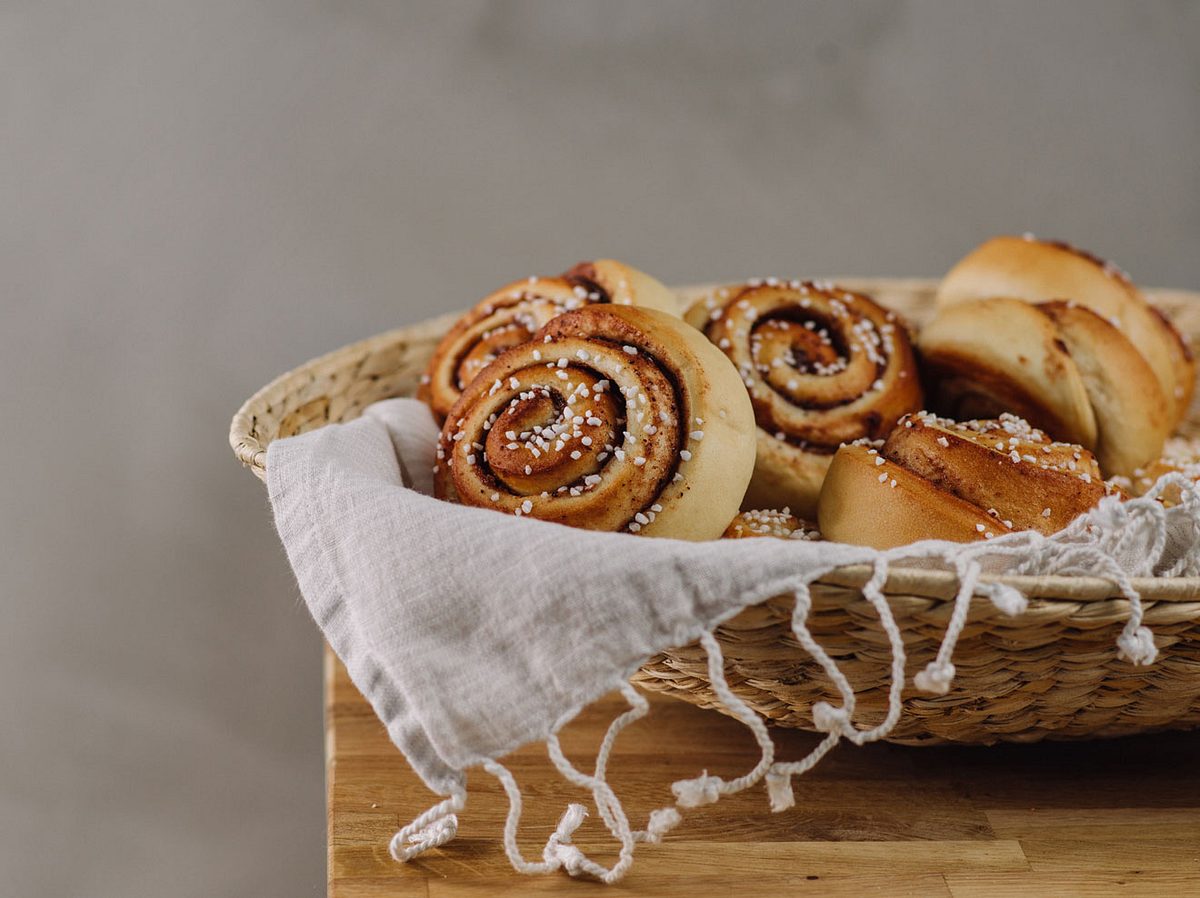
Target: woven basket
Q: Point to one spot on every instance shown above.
(1051, 672)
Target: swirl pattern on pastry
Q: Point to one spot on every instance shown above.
(823, 366)
(933, 478)
(511, 315)
(610, 418)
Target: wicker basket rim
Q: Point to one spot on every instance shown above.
(937, 584)
(250, 451)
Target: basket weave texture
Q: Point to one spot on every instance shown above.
(1050, 672)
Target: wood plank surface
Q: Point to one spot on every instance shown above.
(1054, 819)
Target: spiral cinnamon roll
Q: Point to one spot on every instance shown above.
(823, 366)
(610, 418)
(1035, 270)
(509, 317)
(938, 479)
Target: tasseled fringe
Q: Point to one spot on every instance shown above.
(439, 824)
(435, 827)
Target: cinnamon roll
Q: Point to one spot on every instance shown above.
(937, 479)
(1058, 364)
(610, 418)
(1038, 270)
(509, 317)
(823, 366)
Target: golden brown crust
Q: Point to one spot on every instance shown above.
(610, 418)
(510, 316)
(1017, 471)
(1180, 456)
(937, 479)
(1057, 364)
(865, 505)
(1133, 416)
(822, 366)
(988, 356)
(1039, 270)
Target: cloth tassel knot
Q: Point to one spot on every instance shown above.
(559, 851)
(1007, 599)
(828, 719)
(779, 792)
(1137, 646)
(697, 792)
(437, 833)
(661, 822)
(568, 856)
(935, 678)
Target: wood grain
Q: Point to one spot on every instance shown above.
(1120, 817)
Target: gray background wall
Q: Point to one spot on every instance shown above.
(196, 196)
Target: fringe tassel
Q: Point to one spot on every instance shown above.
(439, 824)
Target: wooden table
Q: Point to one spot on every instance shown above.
(1107, 818)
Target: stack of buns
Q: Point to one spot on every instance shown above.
(1051, 333)
(585, 399)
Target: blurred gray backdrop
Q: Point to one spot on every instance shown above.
(197, 196)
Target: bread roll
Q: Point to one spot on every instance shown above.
(1039, 270)
(510, 316)
(1057, 364)
(610, 418)
(1180, 456)
(937, 479)
(823, 366)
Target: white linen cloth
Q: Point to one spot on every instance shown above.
(472, 633)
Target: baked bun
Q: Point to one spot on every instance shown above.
(1038, 270)
(1057, 364)
(781, 524)
(1180, 456)
(509, 317)
(937, 479)
(610, 418)
(823, 366)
